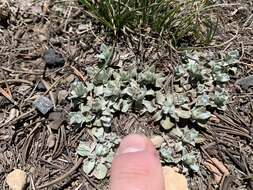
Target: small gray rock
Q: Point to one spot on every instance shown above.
(43, 104)
(245, 83)
(53, 59)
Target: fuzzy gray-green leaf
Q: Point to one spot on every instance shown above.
(100, 171)
(88, 166)
(149, 106)
(76, 117)
(200, 113)
(98, 132)
(167, 124)
(99, 90)
(83, 149)
(185, 114)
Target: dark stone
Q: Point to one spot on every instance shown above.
(43, 104)
(41, 86)
(5, 13)
(245, 83)
(53, 59)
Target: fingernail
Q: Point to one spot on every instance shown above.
(132, 144)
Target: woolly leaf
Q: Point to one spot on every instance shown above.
(79, 90)
(88, 166)
(76, 117)
(160, 98)
(149, 106)
(183, 113)
(83, 149)
(158, 116)
(98, 132)
(167, 124)
(200, 113)
(99, 90)
(100, 171)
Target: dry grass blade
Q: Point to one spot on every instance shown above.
(7, 95)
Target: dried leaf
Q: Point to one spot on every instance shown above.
(51, 141)
(17, 179)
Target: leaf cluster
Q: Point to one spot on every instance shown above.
(99, 154)
(199, 87)
(180, 152)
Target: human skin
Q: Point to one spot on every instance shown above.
(136, 166)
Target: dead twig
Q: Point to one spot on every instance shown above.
(7, 95)
(20, 72)
(18, 118)
(54, 84)
(77, 164)
(16, 81)
(45, 83)
(78, 74)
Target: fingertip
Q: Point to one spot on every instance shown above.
(136, 165)
(135, 143)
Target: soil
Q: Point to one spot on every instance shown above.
(44, 145)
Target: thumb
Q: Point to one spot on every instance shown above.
(136, 166)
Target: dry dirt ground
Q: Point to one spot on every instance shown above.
(28, 28)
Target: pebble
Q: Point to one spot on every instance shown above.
(157, 141)
(13, 113)
(43, 104)
(16, 179)
(174, 180)
(245, 83)
(54, 116)
(83, 27)
(62, 95)
(23, 88)
(51, 141)
(56, 119)
(53, 59)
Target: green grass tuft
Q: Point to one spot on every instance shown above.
(180, 20)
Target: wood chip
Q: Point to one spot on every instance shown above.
(220, 166)
(217, 175)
